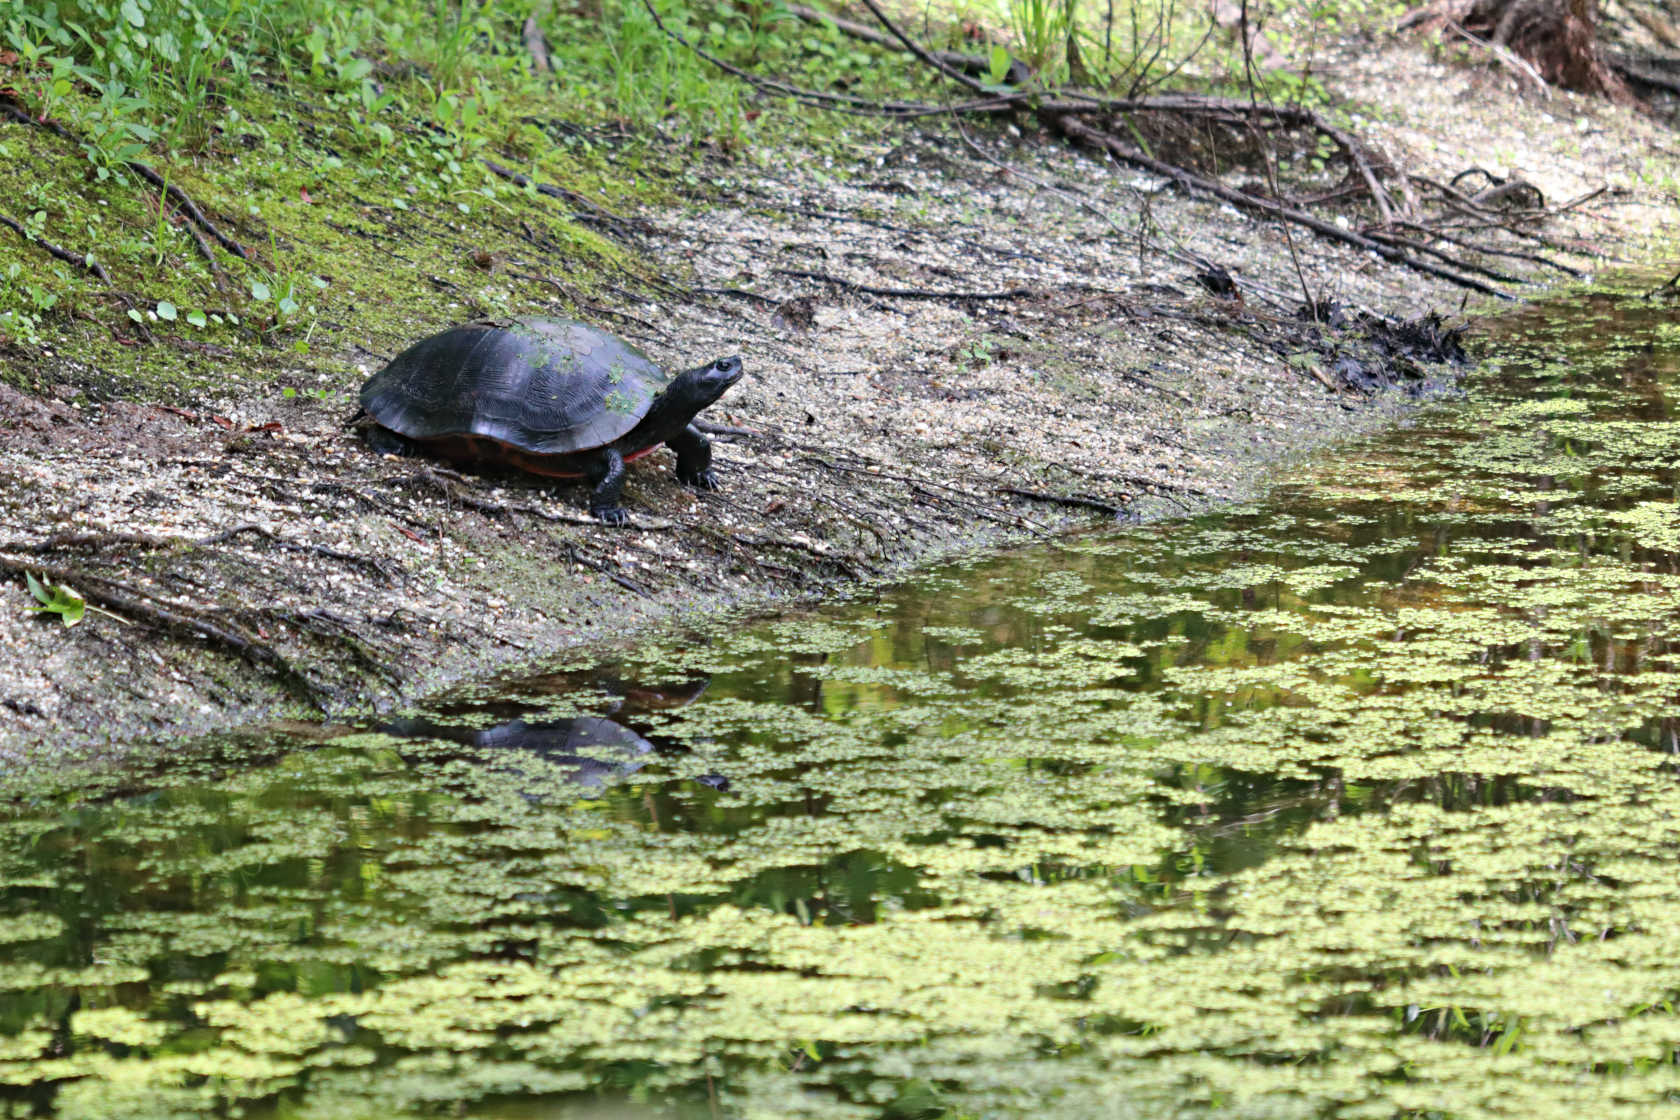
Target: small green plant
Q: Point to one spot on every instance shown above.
(62, 600)
(976, 354)
(115, 133)
(24, 300)
(1043, 27)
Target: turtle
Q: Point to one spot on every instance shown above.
(552, 397)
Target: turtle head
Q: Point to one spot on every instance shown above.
(694, 389)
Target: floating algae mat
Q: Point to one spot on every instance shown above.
(1361, 802)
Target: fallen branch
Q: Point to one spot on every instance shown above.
(1443, 255)
(1078, 130)
(1491, 250)
(1507, 57)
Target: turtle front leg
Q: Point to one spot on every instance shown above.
(606, 477)
(694, 458)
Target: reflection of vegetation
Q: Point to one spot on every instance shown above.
(1359, 803)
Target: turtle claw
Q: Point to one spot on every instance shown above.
(700, 480)
(611, 515)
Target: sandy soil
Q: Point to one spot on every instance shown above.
(874, 432)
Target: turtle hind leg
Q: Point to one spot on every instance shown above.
(605, 473)
(386, 442)
(694, 459)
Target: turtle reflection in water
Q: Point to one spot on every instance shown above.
(591, 750)
(548, 396)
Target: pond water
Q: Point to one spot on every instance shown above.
(1359, 802)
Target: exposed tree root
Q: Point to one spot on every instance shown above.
(190, 208)
(167, 191)
(904, 293)
(1074, 500)
(1017, 73)
(1077, 130)
(81, 541)
(136, 605)
(953, 494)
(590, 212)
(239, 628)
(84, 262)
(576, 556)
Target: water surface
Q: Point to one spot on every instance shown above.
(1359, 802)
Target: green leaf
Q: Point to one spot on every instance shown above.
(197, 318)
(132, 13)
(56, 599)
(259, 291)
(166, 311)
(999, 67)
(136, 316)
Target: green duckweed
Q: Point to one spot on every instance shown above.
(1360, 802)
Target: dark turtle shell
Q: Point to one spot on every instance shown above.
(539, 386)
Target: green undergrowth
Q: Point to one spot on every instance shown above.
(344, 149)
(1358, 802)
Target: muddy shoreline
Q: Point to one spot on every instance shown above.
(876, 431)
